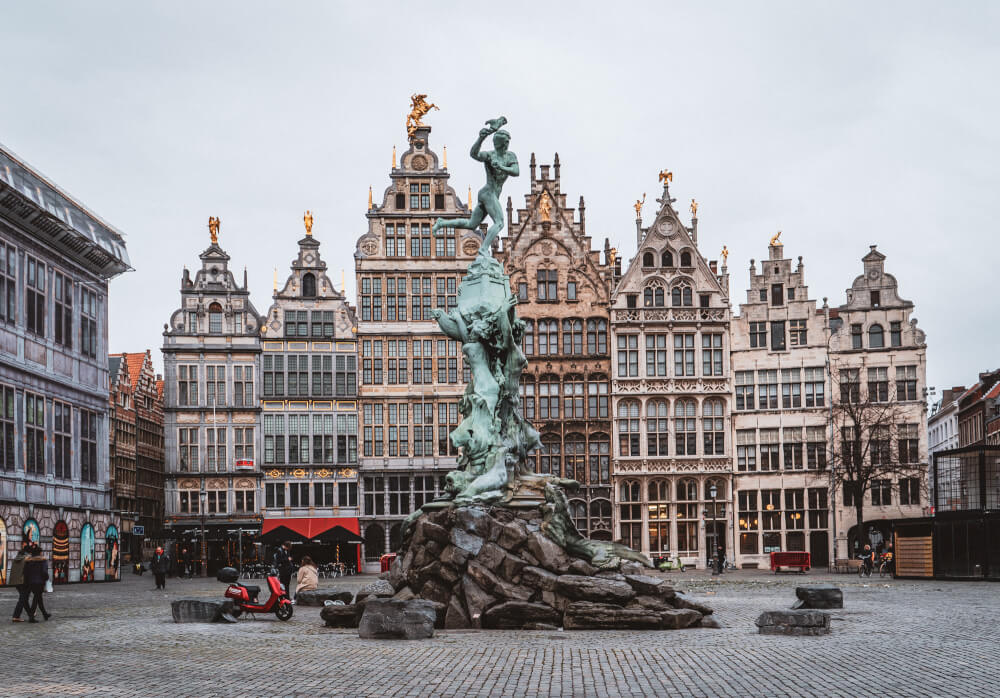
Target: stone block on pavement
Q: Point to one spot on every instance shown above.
(391, 619)
(819, 596)
(794, 622)
(317, 597)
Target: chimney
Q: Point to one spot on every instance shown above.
(532, 167)
(555, 165)
(544, 172)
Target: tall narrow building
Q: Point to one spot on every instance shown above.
(781, 416)
(878, 359)
(563, 292)
(211, 354)
(671, 391)
(412, 376)
(309, 389)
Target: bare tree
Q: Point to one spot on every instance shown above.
(870, 442)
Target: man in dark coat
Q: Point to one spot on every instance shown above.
(283, 562)
(159, 566)
(17, 580)
(36, 573)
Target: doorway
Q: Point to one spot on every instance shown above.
(819, 549)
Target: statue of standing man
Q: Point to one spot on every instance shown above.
(500, 164)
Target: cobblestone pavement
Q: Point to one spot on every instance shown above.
(895, 637)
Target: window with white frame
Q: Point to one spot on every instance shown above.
(628, 428)
(34, 434)
(683, 354)
(746, 450)
(657, 420)
(215, 448)
(685, 428)
(770, 450)
(792, 447)
(744, 390)
(187, 385)
(791, 388)
(711, 354)
(713, 428)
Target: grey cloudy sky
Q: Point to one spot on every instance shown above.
(842, 124)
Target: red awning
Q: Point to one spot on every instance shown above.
(310, 528)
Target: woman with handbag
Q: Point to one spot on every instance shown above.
(36, 574)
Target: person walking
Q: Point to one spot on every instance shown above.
(36, 573)
(283, 563)
(159, 566)
(307, 578)
(16, 579)
(182, 563)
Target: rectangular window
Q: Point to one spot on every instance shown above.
(856, 336)
(298, 494)
(771, 505)
(792, 448)
(797, 332)
(8, 283)
(777, 295)
(791, 388)
(744, 390)
(347, 438)
(600, 462)
(814, 381)
(243, 443)
(683, 354)
(571, 290)
(244, 501)
(188, 501)
(881, 493)
(215, 447)
(909, 443)
(62, 433)
(88, 446)
(767, 389)
(216, 501)
(347, 494)
(34, 296)
(399, 495)
(896, 334)
(187, 385)
(274, 495)
(795, 509)
(711, 354)
(628, 355)
(746, 450)
(758, 335)
(850, 385)
(656, 355)
(547, 283)
(816, 448)
(374, 500)
(749, 522)
(597, 400)
(522, 291)
(906, 383)
(243, 395)
(34, 436)
(215, 385)
(628, 429)
(8, 445)
(778, 335)
(769, 450)
(909, 491)
(62, 294)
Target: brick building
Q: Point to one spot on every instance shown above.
(136, 452)
(56, 259)
(563, 289)
(781, 404)
(309, 417)
(412, 376)
(671, 393)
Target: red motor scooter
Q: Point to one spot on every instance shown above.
(245, 596)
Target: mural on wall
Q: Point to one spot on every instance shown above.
(60, 553)
(3, 553)
(87, 550)
(31, 533)
(111, 552)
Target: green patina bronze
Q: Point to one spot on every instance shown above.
(494, 438)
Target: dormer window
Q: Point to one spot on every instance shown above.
(215, 318)
(685, 259)
(876, 299)
(666, 259)
(647, 259)
(309, 285)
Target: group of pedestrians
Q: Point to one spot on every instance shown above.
(306, 577)
(29, 572)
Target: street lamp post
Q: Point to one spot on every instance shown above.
(713, 492)
(204, 545)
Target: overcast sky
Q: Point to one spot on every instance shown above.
(843, 124)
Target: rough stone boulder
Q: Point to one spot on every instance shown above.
(392, 619)
(819, 596)
(586, 615)
(794, 622)
(594, 589)
(202, 611)
(517, 614)
(680, 600)
(650, 586)
(380, 589)
(317, 597)
(337, 616)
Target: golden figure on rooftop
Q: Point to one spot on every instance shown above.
(775, 241)
(694, 208)
(545, 207)
(725, 254)
(308, 220)
(666, 176)
(213, 229)
(638, 205)
(419, 108)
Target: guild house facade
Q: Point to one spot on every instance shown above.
(56, 259)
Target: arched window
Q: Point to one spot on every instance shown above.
(548, 397)
(529, 337)
(712, 428)
(659, 517)
(215, 318)
(628, 428)
(578, 512)
(374, 542)
(685, 259)
(308, 285)
(597, 337)
(687, 516)
(631, 514)
(575, 458)
(572, 337)
(666, 259)
(681, 296)
(685, 428)
(656, 428)
(876, 338)
(647, 259)
(600, 509)
(549, 456)
(548, 337)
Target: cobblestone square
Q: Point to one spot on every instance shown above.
(894, 637)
